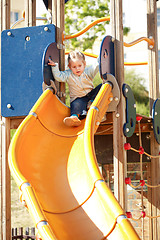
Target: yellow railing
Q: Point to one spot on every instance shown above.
(149, 40)
(65, 37)
(85, 53)
(135, 63)
(125, 63)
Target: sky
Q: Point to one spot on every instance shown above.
(40, 8)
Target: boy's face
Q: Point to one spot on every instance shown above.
(77, 66)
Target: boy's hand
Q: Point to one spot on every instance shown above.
(50, 62)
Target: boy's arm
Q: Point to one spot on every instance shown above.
(60, 76)
(92, 70)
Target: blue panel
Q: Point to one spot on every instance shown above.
(156, 119)
(52, 53)
(107, 57)
(129, 126)
(22, 75)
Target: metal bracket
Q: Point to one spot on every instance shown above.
(115, 91)
(60, 46)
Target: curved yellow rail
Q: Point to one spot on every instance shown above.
(85, 53)
(125, 63)
(65, 37)
(56, 169)
(149, 40)
(135, 63)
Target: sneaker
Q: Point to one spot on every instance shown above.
(72, 121)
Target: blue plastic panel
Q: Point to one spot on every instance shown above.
(129, 126)
(21, 75)
(107, 64)
(52, 53)
(156, 119)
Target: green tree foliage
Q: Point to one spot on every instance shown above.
(126, 31)
(80, 13)
(141, 95)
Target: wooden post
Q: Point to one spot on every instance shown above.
(153, 95)
(30, 13)
(60, 28)
(119, 158)
(5, 178)
(5, 139)
(149, 181)
(58, 20)
(5, 126)
(5, 14)
(54, 12)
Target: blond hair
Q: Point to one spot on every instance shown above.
(76, 55)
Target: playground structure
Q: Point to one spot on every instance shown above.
(118, 120)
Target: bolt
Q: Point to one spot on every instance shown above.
(1, 122)
(151, 46)
(148, 136)
(113, 39)
(116, 99)
(59, 46)
(127, 129)
(9, 105)
(46, 29)
(9, 33)
(27, 38)
(126, 90)
(117, 115)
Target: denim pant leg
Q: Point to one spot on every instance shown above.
(93, 93)
(79, 106)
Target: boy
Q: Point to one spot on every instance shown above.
(80, 82)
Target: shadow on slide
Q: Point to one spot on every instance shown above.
(56, 170)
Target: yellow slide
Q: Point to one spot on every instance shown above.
(56, 169)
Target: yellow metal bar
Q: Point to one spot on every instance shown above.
(125, 63)
(149, 40)
(135, 63)
(65, 37)
(86, 54)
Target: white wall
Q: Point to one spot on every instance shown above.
(135, 17)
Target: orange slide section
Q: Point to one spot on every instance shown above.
(56, 169)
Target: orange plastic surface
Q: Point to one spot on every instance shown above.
(56, 169)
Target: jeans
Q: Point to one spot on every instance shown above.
(79, 105)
